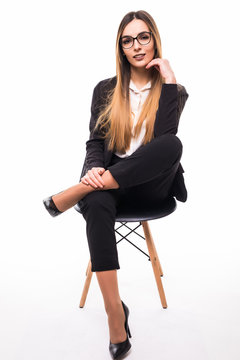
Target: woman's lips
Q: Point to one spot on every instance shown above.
(139, 58)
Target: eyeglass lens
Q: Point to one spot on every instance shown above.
(143, 39)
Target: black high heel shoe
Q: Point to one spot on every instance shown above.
(117, 350)
(51, 207)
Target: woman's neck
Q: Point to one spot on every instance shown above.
(140, 76)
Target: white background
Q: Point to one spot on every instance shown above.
(53, 53)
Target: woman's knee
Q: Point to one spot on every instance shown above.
(98, 200)
(170, 142)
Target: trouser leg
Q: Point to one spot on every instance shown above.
(99, 211)
(148, 162)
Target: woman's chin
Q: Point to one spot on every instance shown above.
(140, 66)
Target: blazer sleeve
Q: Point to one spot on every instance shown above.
(182, 98)
(171, 103)
(95, 144)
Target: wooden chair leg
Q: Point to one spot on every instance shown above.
(154, 250)
(157, 269)
(86, 284)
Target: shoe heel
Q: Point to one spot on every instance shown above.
(129, 334)
(126, 311)
(51, 207)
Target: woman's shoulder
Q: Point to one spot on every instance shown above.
(107, 83)
(100, 91)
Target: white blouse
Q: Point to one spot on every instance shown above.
(137, 98)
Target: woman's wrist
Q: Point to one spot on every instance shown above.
(170, 80)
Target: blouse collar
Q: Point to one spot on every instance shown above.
(133, 87)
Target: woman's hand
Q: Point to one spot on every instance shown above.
(163, 66)
(92, 177)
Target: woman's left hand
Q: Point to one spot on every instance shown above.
(163, 66)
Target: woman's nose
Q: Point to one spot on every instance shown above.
(136, 44)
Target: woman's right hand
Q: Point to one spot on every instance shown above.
(93, 177)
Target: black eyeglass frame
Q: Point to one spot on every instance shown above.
(133, 38)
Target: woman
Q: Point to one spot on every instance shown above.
(133, 153)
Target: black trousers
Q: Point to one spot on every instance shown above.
(145, 176)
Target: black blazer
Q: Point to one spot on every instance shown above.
(171, 104)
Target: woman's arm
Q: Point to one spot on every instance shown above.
(95, 144)
(171, 103)
(172, 99)
(182, 98)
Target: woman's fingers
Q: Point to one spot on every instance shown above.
(87, 181)
(101, 170)
(163, 66)
(96, 177)
(93, 178)
(84, 181)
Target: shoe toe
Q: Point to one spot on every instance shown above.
(51, 207)
(117, 350)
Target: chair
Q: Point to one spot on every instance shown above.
(134, 213)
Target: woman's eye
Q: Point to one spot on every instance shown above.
(144, 37)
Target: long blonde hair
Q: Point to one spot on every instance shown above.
(116, 117)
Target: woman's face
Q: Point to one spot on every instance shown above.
(135, 27)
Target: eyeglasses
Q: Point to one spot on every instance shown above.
(143, 38)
